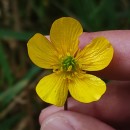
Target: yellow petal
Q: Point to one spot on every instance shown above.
(87, 89)
(41, 52)
(96, 56)
(53, 89)
(64, 34)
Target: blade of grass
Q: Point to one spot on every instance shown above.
(6, 70)
(10, 93)
(11, 121)
(9, 34)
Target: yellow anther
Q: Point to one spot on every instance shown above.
(69, 68)
(75, 73)
(60, 56)
(68, 54)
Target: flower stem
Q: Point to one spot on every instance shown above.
(66, 105)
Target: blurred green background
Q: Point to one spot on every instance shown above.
(19, 20)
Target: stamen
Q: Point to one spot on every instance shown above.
(69, 68)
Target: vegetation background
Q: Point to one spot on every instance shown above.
(19, 20)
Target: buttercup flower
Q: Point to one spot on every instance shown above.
(69, 63)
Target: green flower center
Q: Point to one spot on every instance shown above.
(69, 64)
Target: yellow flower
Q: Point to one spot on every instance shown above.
(69, 63)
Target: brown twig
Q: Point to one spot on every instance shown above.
(18, 100)
(22, 124)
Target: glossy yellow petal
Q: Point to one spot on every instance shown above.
(41, 52)
(53, 89)
(87, 89)
(96, 55)
(64, 34)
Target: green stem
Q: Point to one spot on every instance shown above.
(66, 105)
